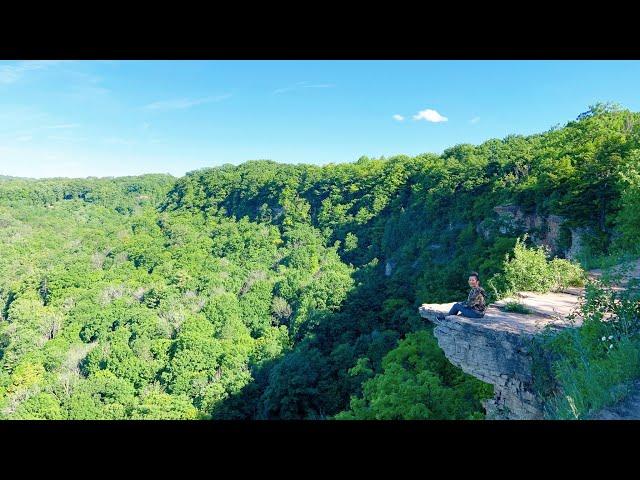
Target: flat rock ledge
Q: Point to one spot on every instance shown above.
(495, 348)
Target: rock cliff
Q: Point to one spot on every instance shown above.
(495, 348)
(550, 230)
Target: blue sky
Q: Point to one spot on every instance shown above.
(111, 118)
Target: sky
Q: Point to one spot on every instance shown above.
(114, 118)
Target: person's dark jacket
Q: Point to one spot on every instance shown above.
(477, 300)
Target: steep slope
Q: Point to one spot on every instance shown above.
(268, 290)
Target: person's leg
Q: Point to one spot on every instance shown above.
(455, 309)
(470, 312)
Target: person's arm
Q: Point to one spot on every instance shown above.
(469, 300)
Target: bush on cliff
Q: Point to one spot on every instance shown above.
(529, 269)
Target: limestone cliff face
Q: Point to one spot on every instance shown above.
(577, 235)
(496, 357)
(550, 231)
(545, 230)
(495, 348)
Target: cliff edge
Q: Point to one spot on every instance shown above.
(495, 348)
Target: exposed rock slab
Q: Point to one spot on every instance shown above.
(545, 229)
(495, 348)
(547, 309)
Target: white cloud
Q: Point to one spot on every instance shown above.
(48, 130)
(430, 116)
(65, 138)
(9, 74)
(62, 126)
(299, 85)
(85, 93)
(282, 90)
(183, 103)
(474, 120)
(397, 117)
(13, 73)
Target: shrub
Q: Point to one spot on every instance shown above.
(515, 307)
(566, 274)
(528, 269)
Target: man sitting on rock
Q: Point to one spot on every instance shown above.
(475, 305)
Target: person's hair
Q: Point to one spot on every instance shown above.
(475, 274)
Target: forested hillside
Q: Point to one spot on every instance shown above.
(267, 290)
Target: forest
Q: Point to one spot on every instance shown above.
(290, 291)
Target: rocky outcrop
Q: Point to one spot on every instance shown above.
(495, 348)
(544, 229)
(388, 267)
(577, 235)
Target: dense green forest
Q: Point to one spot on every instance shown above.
(282, 291)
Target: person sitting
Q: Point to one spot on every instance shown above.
(475, 305)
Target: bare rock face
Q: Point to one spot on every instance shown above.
(545, 229)
(495, 348)
(577, 235)
(388, 267)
